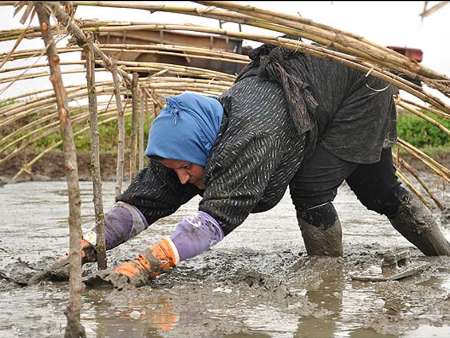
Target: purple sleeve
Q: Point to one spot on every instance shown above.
(196, 234)
(122, 222)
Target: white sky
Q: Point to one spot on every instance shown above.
(386, 23)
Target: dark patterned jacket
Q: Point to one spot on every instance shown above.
(259, 148)
(256, 154)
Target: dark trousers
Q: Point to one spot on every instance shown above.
(375, 185)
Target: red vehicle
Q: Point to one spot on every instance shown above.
(413, 54)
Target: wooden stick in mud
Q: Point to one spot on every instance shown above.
(401, 163)
(95, 161)
(81, 38)
(121, 129)
(82, 41)
(134, 124)
(74, 327)
(141, 131)
(435, 166)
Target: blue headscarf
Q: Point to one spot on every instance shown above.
(186, 128)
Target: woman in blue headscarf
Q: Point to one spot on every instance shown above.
(289, 120)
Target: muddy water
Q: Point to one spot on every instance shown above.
(257, 283)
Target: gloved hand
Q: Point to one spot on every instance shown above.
(59, 270)
(160, 258)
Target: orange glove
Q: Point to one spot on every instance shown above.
(160, 258)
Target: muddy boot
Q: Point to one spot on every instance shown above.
(417, 225)
(160, 258)
(321, 230)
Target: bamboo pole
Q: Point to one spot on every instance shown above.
(436, 167)
(27, 167)
(344, 38)
(37, 110)
(430, 109)
(95, 161)
(81, 38)
(264, 19)
(153, 65)
(148, 50)
(423, 116)
(134, 125)
(408, 183)
(48, 127)
(347, 59)
(33, 114)
(20, 110)
(401, 163)
(196, 53)
(82, 41)
(74, 327)
(121, 132)
(141, 130)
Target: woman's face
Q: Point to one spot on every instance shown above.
(187, 172)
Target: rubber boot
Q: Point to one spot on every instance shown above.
(321, 230)
(415, 222)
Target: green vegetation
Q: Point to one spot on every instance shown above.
(423, 134)
(4, 103)
(410, 127)
(108, 137)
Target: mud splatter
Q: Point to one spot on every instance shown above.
(257, 283)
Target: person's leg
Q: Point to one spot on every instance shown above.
(377, 187)
(312, 190)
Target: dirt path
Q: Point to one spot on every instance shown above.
(256, 283)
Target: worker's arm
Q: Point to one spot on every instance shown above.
(235, 184)
(154, 193)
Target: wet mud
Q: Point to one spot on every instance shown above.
(258, 282)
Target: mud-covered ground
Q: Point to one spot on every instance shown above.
(258, 282)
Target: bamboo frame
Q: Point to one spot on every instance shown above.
(141, 122)
(95, 161)
(134, 125)
(350, 49)
(401, 163)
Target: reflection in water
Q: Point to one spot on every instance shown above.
(328, 298)
(194, 303)
(131, 319)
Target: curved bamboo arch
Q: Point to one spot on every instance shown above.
(167, 79)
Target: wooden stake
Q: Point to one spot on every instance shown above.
(134, 124)
(95, 161)
(141, 131)
(74, 327)
(121, 134)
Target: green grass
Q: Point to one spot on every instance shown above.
(423, 134)
(411, 128)
(107, 133)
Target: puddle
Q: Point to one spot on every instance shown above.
(256, 283)
(429, 332)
